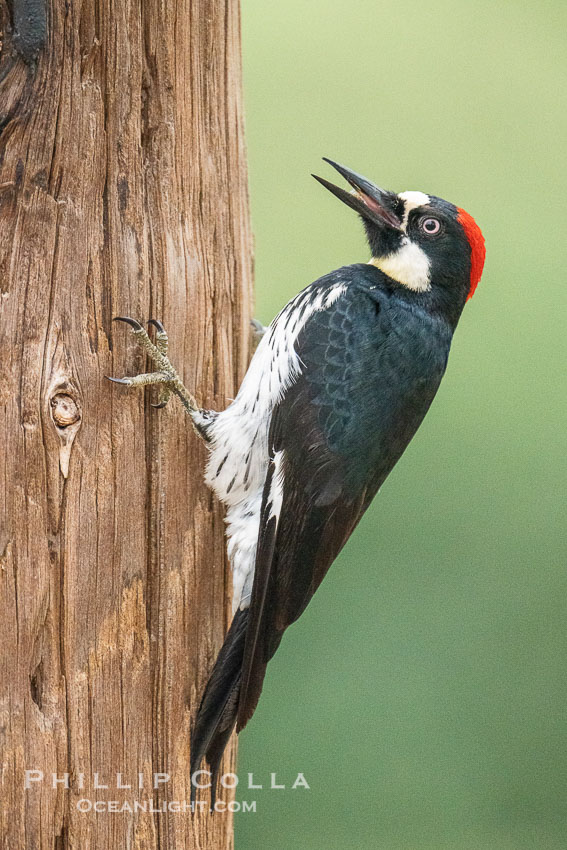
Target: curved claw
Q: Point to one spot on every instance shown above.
(126, 381)
(158, 325)
(132, 322)
(259, 328)
(160, 405)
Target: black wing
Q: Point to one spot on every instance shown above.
(324, 470)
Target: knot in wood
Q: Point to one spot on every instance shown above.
(64, 410)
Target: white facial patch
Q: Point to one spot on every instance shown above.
(412, 200)
(409, 265)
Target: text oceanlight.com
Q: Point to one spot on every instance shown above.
(172, 806)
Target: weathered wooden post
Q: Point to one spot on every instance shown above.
(123, 190)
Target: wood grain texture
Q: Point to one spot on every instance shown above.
(123, 190)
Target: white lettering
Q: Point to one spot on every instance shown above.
(251, 783)
(32, 776)
(225, 780)
(201, 773)
(119, 782)
(274, 786)
(160, 779)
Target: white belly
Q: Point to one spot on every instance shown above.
(237, 468)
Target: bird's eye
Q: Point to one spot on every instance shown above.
(430, 226)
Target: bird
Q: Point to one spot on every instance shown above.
(336, 389)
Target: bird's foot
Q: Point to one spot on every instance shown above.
(165, 377)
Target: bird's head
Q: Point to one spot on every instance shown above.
(418, 240)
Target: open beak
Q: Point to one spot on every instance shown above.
(375, 204)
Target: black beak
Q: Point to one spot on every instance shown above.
(375, 204)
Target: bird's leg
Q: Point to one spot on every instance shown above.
(165, 377)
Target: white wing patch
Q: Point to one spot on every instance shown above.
(334, 293)
(276, 489)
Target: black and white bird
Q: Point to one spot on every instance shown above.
(337, 387)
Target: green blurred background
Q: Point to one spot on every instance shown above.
(423, 692)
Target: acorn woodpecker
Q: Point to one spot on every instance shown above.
(335, 391)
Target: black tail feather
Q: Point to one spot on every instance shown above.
(219, 706)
